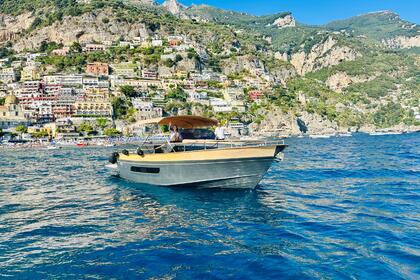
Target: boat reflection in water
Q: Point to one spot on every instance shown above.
(204, 163)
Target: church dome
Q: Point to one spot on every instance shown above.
(11, 100)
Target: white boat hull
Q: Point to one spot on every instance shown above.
(239, 172)
(244, 173)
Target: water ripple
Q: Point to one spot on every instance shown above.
(345, 208)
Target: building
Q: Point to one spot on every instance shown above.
(236, 129)
(7, 75)
(62, 129)
(146, 110)
(12, 114)
(61, 52)
(175, 40)
(97, 94)
(194, 96)
(93, 109)
(142, 84)
(98, 69)
(255, 95)
(157, 43)
(128, 70)
(30, 73)
(75, 80)
(94, 48)
(147, 74)
(219, 105)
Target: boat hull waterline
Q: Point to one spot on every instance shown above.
(225, 168)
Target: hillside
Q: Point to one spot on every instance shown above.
(356, 73)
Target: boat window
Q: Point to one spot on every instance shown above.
(145, 169)
(195, 134)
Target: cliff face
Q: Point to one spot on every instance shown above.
(339, 81)
(277, 122)
(86, 28)
(322, 55)
(12, 26)
(287, 21)
(173, 7)
(402, 42)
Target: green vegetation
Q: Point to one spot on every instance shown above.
(128, 91)
(101, 123)
(379, 25)
(5, 52)
(393, 114)
(120, 106)
(21, 129)
(87, 129)
(40, 134)
(178, 94)
(112, 132)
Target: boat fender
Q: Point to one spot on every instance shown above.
(140, 152)
(114, 157)
(125, 152)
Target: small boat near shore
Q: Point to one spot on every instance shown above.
(320, 136)
(381, 133)
(203, 163)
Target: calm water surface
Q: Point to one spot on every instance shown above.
(339, 208)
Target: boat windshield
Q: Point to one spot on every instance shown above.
(197, 134)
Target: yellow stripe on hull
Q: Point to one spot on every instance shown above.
(203, 155)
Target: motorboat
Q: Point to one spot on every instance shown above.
(195, 162)
(321, 136)
(53, 147)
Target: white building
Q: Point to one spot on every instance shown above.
(219, 105)
(146, 110)
(65, 80)
(7, 75)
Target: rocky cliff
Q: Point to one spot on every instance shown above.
(321, 55)
(402, 42)
(86, 28)
(173, 6)
(286, 21)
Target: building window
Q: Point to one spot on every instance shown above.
(145, 169)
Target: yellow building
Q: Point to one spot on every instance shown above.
(97, 94)
(93, 108)
(30, 73)
(11, 114)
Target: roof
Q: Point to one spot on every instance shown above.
(181, 121)
(11, 100)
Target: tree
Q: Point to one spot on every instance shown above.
(102, 123)
(86, 128)
(37, 22)
(112, 132)
(120, 107)
(178, 58)
(21, 129)
(169, 63)
(178, 93)
(40, 134)
(128, 91)
(76, 48)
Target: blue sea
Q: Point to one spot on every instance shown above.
(338, 208)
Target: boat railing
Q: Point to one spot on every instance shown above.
(190, 145)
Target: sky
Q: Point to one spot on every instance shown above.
(318, 11)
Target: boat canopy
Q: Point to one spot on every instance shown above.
(182, 121)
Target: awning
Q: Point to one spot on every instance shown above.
(181, 121)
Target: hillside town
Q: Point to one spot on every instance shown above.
(60, 104)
